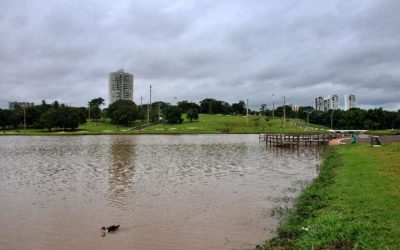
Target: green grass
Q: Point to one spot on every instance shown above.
(383, 132)
(207, 124)
(228, 124)
(354, 203)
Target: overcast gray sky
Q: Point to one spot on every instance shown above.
(229, 50)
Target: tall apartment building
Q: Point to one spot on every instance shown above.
(319, 103)
(331, 102)
(349, 101)
(120, 86)
(13, 105)
(327, 103)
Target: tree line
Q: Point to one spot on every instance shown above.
(355, 118)
(61, 116)
(43, 116)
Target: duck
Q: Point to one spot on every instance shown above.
(110, 229)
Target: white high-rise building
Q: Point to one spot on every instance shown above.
(319, 103)
(327, 103)
(331, 102)
(120, 86)
(349, 101)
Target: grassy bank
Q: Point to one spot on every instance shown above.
(353, 204)
(207, 124)
(383, 132)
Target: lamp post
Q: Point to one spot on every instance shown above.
(284, 112)
(148, 108)
(273, 106)
(247, 112)
(24, 117)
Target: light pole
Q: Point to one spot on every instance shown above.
(24, 117)
(273, 106)
(247, 112)
(284, 112)
(148, 108)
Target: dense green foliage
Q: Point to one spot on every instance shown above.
(173, 115)
(185, 106)
(192, 114)
(353, 203)
(351, 119)
(123, 112)
(358, 119)
(212, 106)
(43, 116)
(94, 107)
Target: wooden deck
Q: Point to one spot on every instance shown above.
(295, 140)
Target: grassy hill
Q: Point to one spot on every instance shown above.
(230, 124)
(207, 124)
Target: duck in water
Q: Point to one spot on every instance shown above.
(110, 229)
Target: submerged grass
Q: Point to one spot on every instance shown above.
(352, 204)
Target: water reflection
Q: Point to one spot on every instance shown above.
(317, 151)
(121, 169)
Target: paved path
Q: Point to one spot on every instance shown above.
(366, 139)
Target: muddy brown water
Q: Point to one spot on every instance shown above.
(167, 192)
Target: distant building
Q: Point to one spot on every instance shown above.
(319, 103)
(349, 101)
(331, 102)
(14, 105)
(120, 86)
(295, 108)
(327, 103)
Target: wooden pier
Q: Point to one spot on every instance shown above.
(295, 140)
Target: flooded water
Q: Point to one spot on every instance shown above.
(167, 192)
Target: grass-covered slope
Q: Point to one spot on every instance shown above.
(228, 124)
(207, 124)
(353, 204)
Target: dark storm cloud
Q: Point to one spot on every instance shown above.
(229, 50)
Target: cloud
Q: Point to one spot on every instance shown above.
(229, 50)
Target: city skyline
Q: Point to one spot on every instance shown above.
(228, 51)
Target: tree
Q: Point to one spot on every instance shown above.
(173, 115)
(48, 119)
(212, 106)
(16, 117)
(5, 118)
(68, 118)
(239, 108)
(263, 109)
(192, 114)
(94, 106)
(123, 112)
(186, 105)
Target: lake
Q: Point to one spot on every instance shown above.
(166, 191)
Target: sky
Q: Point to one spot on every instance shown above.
(190, 50)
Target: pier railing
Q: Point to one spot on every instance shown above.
(293, 140)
